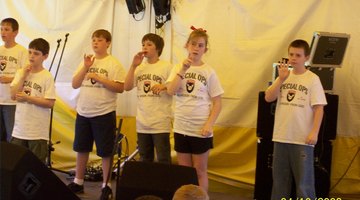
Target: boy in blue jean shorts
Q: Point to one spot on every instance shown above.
(100, 77)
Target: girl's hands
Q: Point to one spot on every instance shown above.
(207, 130)
(187, 63)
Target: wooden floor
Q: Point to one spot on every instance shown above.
(92, 190)
(217, 191)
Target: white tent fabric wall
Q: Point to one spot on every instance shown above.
(246, 37)
(53, 19)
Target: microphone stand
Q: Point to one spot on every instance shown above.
(61, 55)
(51, 148)
(52, 62)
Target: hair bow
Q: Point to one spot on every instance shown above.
(198, 29)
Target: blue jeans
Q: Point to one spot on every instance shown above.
(7, 118)
(159, 141)
(293, 161)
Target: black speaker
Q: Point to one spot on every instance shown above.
(135, 6)
(23, 176)
(265, 117)
(326, 76)
(322, 164)
(263, 172)
(329, 122)
(146, 178)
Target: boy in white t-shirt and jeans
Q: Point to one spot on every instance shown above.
(13, 56)
(100, 77)
(299, 111)
(153, 119)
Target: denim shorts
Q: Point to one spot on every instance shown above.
(100, 129)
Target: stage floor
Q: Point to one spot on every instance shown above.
(92, 190)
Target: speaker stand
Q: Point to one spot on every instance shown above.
(129, 158)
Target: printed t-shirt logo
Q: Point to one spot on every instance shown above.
(190, 84)
(27, 91)
(92, 81)
(2, 66)
(147, 86)
(291, 95)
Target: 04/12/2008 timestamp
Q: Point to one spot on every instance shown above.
(317, 198)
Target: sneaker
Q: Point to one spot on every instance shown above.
(106, 193)
(76, 188)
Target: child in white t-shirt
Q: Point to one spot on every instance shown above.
(34, 90)
(299, 111)
(100, 78)
(153, 119)
(13, 56)
(197, 91)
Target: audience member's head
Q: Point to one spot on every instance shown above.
(148, 197)
(190, 192)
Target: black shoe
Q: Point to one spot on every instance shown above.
(76, 188)
(106, 193)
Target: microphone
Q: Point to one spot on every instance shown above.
(66, 37)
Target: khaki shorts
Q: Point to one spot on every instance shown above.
(38, 147)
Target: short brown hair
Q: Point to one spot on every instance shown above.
(41, 45)
(102, 33)
(156, 39)
(13, 23)
(300, 44)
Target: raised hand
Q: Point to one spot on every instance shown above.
(187, 63)
(283, 70)
(88, 60)
(138, 58)
(27, 71)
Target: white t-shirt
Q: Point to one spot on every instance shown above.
(13, 59)
(32, 122)
(153, 111)
(94, 99)
(294, 115)
(193, 99)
